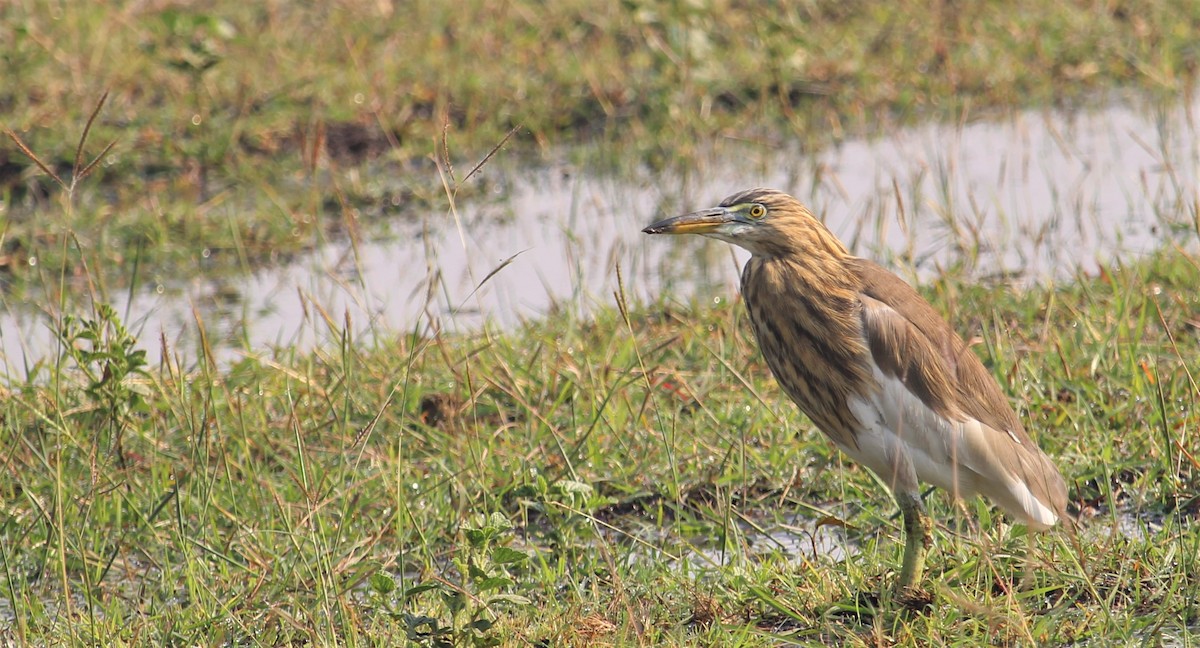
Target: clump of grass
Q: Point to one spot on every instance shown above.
(597, 481)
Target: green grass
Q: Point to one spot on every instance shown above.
(245, 131)
(573, 482)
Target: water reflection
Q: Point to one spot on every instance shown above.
(1040, 194)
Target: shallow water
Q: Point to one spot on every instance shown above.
(799, 538)
(1038, 194)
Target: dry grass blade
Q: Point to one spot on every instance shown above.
(91, 166)
(80, 172)
(491, 153)
(495, 271)
(33, 156)
(446, 152)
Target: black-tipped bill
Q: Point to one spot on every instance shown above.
(700, 222)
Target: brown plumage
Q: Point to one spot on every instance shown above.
(877, 369)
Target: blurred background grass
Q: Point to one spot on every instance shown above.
(248, 126)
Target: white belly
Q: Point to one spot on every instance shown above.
(903, 441)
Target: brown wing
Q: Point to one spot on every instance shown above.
(910, 341)
(923, 350)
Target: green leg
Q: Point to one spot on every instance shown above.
(918, 536)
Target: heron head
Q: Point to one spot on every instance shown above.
(764, 221)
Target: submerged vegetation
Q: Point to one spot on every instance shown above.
(630, 478)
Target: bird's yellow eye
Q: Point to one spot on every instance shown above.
(757, 211)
